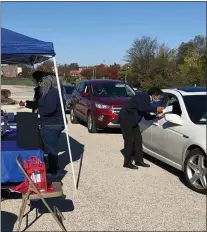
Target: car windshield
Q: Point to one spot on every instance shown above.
(111, 89)
(196, 106)
(69, 89)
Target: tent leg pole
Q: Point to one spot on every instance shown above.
(64, 119)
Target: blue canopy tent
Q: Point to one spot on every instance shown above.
(20, 49)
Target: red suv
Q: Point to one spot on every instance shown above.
(98, 102)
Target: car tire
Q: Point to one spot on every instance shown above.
(195, 171)
(91, 125)
(73, 118)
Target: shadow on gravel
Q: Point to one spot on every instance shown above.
(170, 169)
(164, 166)
(110, 131)
(104, 131)
(77, 150)
(64, 205)
(8, 221)
(40, 209)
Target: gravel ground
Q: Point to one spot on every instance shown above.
(110, 197)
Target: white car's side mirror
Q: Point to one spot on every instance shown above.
(174, 118)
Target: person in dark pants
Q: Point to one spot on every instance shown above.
(51, 121)
(131, 114)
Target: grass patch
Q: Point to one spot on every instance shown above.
(16, 81)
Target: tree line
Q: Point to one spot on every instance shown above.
(148, 63)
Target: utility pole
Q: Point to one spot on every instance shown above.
(104, 63)
(126, 74)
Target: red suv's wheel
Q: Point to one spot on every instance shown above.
(91, 125)
(73, 118)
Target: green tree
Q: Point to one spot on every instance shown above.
(87, 73)
(154, 64)
(70, 80)
(184, 50)
(128, 74)
(192, 69)
(73, 66)
(113, 71)
(27, 71)
(64, 70)
(200, 45)
(47, 66)
(141, 54)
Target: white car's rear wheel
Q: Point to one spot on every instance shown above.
(195, 170)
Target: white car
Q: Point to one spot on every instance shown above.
(179, 139)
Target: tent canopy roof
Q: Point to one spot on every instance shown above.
(17, 48)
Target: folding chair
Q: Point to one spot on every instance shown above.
(33, 194)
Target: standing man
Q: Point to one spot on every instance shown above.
(131, 114)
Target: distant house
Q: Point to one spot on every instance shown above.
(10, 70)
(81, 68)
(76, 73)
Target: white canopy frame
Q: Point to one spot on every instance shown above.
(14, 60)
(65, 121)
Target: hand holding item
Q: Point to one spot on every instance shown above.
(160, 109)
(160, 116)
(22, 104)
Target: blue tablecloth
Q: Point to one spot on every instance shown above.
(10, 172)
(13, 123)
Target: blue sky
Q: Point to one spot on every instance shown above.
(93, 32)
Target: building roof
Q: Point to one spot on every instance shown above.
(75, 72)
(9, 68)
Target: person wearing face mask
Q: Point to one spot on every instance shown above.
(156, 101)
(37, 78)
(131, 114)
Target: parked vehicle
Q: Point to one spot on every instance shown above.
(98, 102)
(179, 139)
(68, 90)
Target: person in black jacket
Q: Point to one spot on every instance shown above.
(131, 114)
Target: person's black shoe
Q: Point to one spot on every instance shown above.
(142, 164)
(130, 166)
